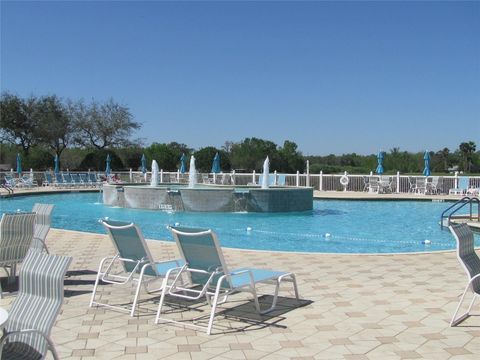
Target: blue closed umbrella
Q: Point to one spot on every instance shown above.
(56, 162)
(107, 168)
(216, 164)
(144, 164)
(380, 158)
(426, 170)
(19, 165)
(183, 166)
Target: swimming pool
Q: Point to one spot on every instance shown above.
(332, 226)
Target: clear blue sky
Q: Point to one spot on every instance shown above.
(334, 77)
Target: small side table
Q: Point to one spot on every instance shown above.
(3, 317)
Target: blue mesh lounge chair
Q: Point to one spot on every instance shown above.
(205, 266)
(42, 225)
(134, 259)
(471, 264)
(16, 235)
(34, 310)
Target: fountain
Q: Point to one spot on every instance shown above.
(208, 197)
(265, 179)
(192, 174)
(154, 181)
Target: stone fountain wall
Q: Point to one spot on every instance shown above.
(216, 199)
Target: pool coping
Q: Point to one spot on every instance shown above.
(295, 252)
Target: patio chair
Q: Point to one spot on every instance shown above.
(131, 263)
(10, 181)
(373, 185)
(471, 264)
(47, 179)
(27, 181)
(205, 267)
(435, 186)
(60, 181)
(420, 185)
(42, 225)
(16, 235)
(34, 310)
(462, 186)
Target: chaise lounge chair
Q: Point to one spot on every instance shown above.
(16, 235)
(132, 262)
(471, 264)
(42, 225)
(205, 266)
(34, 310)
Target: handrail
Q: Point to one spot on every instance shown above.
(459, 205)
(8, 188)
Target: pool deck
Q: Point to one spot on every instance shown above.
(353, 307)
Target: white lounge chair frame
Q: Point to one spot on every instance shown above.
(134, 270)
(471, 264)
(219, 282)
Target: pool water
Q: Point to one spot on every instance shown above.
(333, 226)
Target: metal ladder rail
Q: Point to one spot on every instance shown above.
(459, 205)
(8, 188)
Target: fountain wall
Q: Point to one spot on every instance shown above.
(209, 198)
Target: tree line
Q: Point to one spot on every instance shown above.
(83, 133)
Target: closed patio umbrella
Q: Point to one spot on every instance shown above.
(19, 165)
(216, 164)
(107, 167)
(144, 164)
(380, 158)
(183, 166)
(426, 170)
(56, 162)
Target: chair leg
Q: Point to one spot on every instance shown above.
(137, 295)
(214, 308)
(455, 321)
(162, 299)
(97, 280)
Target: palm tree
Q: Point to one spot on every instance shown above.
(467, 149)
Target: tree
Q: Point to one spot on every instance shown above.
(18, 121)
(292, 159)
(166, 158)
(467, 149)
(204, 159)
(55, 127)
(103, 125)
(251, 153)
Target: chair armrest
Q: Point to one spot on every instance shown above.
(474, 278)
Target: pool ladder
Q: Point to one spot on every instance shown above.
(447, 214)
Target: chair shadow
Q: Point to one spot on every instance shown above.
(244, 313)
(9, 286)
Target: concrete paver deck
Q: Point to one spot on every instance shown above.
(355, 307)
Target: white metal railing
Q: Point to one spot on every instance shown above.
(323, 182)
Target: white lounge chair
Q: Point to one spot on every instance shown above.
(134, 260)
(34, 311)
(42, 225)
(205, 266)
(16, 235)
(471, 264)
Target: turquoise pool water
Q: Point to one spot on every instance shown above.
(353, 226)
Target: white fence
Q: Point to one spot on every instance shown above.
(323, 182)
